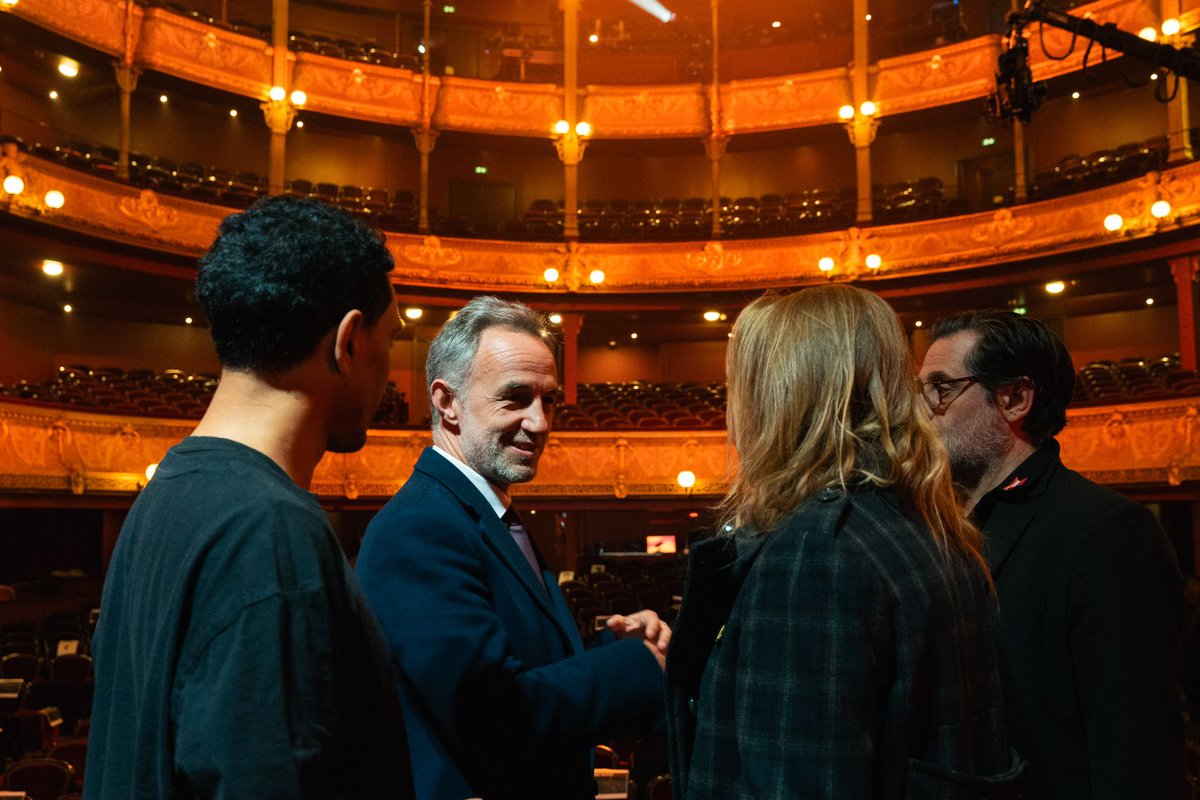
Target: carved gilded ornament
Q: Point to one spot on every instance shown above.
(98, 23)
(955, 73)
(1003, 228)
(147, 210)
(482, 105)
(431, 254)
(649, 111)
(193, 50)
(712, 259)
(784, 102)
(362, 92)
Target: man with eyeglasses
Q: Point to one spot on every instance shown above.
(1090, 593)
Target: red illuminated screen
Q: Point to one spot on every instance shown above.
(660, 544)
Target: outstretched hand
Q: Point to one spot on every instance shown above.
(644, 625)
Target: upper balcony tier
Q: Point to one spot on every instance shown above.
(193, 50)
(979, 247)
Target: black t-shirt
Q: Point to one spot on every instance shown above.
(235, 655)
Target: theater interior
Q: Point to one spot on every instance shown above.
(638, 171)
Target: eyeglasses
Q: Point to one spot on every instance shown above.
(940, 394)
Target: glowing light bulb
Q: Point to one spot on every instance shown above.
(1160, 209)
(298, 98)
(583, 129)
(712, 316)
(413, 313)
(868, 108)
(562, 127)
(1148, 33)
(1055, 287)
(551, 274)
(1113, 223)
(52, 268)
(873, 261)
(686, 479)
(277, 93)
(556, 318)
(1171, 27)
(825, 264)
(596, 276)
(54, 199)
(13, 184)
(846, 112)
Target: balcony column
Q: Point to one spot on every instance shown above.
(1020, 179)
(1184, 271)
(572, 324)
(569, 144)
(864, 124)
(127, 78)
(278, 114)
(714, 145)
(425, 136)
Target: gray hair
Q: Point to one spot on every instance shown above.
(452, 352)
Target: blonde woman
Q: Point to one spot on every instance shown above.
(837, 640)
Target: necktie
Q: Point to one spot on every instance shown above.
(521, 537)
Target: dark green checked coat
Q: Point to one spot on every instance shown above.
(841, 656)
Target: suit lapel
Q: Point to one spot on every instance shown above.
(1015, 505)
(495, 535)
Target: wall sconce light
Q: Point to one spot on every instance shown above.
(596, 277)
(1114, 223)
(550, 275)
(860, 125)
(1171, 27)
(825, 264)
(280, 108)
(1160, 209)
(150, 470)
(686, 480)
(54, 199)
(570, 143)
(873, 261)
(14, 184)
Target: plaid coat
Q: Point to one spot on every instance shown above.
(840, 656)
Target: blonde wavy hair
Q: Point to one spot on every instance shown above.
(823, 393)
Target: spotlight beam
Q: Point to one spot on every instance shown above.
(655, 9)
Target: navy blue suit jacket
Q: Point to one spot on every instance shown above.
(502, 698)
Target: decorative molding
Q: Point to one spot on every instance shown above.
(646, 111)
(192, 50)
(361, 91)
(520, 109)
(973, 241)
(46, 449)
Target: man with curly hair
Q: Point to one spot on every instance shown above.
(235, 655)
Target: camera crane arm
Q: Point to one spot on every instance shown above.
(1018, 95)
(1181, 61)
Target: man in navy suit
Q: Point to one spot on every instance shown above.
(1090, 593)
(504, 699)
